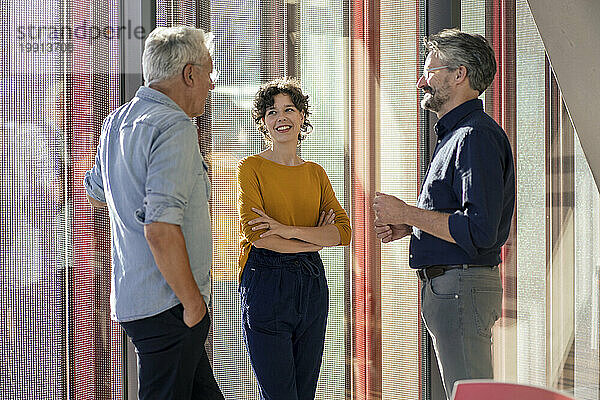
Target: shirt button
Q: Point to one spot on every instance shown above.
(410, 256)
(439, 141)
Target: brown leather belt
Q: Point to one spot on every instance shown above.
(434, 271)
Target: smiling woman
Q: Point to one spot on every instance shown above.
(282, 118)
(288, 212)
(281, 97)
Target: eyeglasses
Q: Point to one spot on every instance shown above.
(427, 72)
(214, 74)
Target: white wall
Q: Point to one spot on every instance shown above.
(570, 30)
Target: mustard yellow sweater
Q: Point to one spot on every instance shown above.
(292, 195)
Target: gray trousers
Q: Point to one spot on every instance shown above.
(459, 309)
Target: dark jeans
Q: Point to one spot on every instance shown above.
(172, 361)
(459, 309)
(285, 300)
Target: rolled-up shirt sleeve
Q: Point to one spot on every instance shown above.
(478, 184)
(174, 164)
(92, 180)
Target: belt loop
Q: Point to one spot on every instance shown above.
(465, 266)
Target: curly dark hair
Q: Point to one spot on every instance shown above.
(264, 99)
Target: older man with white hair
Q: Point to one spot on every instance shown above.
(151, 175)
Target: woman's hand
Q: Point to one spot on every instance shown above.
(326, 218)
(272, 226)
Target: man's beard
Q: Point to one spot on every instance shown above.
(434, 99)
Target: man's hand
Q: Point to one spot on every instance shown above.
(95, 203)
(272, 226)
(392, 211)
(389, 210)
(389, 233)
(195, 313)
(167, 244)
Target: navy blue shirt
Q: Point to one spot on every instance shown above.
(471, 177)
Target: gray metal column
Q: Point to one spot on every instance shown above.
(138, 19)
(435, 16)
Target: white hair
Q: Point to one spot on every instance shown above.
(168, 50)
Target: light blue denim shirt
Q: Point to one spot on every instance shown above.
(149, 168)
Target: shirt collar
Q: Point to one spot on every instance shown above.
(147, 93)
(453, 117)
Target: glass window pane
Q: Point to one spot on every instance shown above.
(552, 340)
(397, 162)
(60, 79)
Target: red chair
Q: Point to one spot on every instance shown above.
(481, 389)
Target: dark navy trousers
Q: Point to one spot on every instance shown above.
(285, 301)
(172, 361)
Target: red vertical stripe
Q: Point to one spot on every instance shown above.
(364, 113)
(503, 104)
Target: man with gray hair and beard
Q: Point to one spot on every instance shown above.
(464, 210)
(150, 174)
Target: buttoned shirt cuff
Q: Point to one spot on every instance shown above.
(93, 188)
(458, 225)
